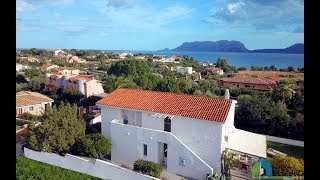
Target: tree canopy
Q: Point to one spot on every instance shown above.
(59, 130)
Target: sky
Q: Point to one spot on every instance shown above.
(157, 24)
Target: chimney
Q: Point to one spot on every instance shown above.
(227, 94)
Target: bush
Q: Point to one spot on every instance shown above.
(287, 166)
(21, 123)
(30, 117)
(147, 167)
(92, 145)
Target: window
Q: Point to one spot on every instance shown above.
(31, 108)
(246, 85)
(145, 150)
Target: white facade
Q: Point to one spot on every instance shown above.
(183, 70)
(20, 67)
(197, 144)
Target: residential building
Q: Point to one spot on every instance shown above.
(213, 70)
(247, 81)
(86, 84)
(47, 67)
(187, 134)
(205, 63)
(21, 68)
(75, 59)
(31, 102)
(184, 70)
(66, 71)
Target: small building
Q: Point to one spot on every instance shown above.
(66, 71)
(212, 70)
(47, 67)
(21, 68)
(247, 81)
(31, 102)
(184, 70)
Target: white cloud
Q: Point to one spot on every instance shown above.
(32, 5)
(23, 6)
(263, 15)
(234, 7)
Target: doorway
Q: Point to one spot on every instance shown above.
(167, 124)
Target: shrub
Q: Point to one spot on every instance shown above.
(21, 123)
(287, 166)
(30, 117)
(147, 167)
(92, 145)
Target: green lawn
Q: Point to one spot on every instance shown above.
(30, 169)
(294, 151)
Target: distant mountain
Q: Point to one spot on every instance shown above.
(232, 46)
(218, 46)
(165, 49)
(294, 49)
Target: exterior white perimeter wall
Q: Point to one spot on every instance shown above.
(285, 141)
(203, 137)
(99, 168)
(127, 146)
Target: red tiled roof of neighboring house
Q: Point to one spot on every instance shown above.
(87, 78)
(247, 79)
(66, 68)
(198, 107)
(27, 98)
(45, 66)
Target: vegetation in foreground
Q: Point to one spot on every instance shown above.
(31, 169)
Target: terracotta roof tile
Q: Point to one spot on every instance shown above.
(26, 98)
(199, 107)
(45, 66)
(87, 78)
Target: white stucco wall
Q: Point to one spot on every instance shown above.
(127, 146)
(202, 137)
(97, 168)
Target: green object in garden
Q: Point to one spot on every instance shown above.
(256, 169)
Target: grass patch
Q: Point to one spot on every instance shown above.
(294, 151)
(31, 169)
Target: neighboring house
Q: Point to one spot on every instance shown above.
(205, 63)
(66, 71)
(31, 102)
(86, 84)
(76, 59)
(184, 70)
(213, 70)
(247, 81)
(112, 60)
(57, 52)
(47, 67)
(33, 59)
(21, 68)
(186, 134)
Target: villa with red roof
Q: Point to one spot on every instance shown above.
(247, 81)
(185, 133)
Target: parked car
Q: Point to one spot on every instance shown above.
(96, 110)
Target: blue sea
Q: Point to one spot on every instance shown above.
(236, 59)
